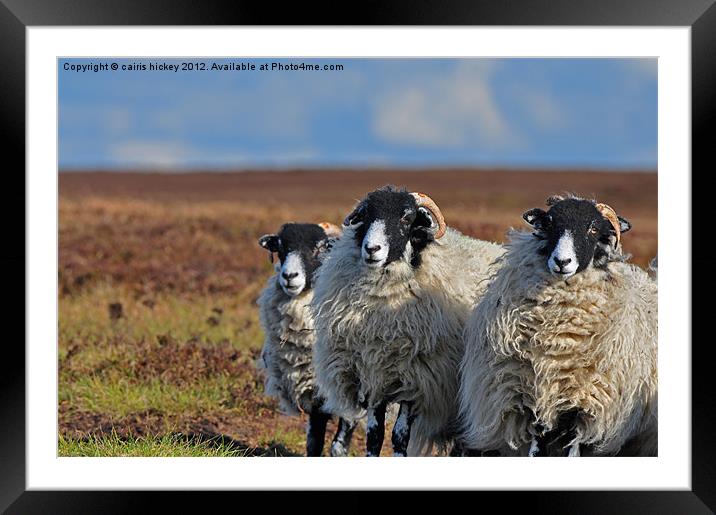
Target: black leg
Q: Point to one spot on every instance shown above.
(557, 441)
(537, 444)
(401, 430)
(376, 429)
(342, 440)
(461, 450)
(458, 450)
(316, 434)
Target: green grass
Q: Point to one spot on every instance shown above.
(157, 446)
(121, 397)
(169, 363)
(292, 439)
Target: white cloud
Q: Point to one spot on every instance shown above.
(151, 154)
(649, 68)
(541, 108)
(639, 73)
(177, 154)
(452, 110)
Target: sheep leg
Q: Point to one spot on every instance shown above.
(460, 449)
(342, 440)
(316, 434)
(376, 429)
(401, 430)
(556, 442)
(457, 450)
(534, 448)
(567, 425)
(574, 451)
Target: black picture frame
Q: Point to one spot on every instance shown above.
(17, 15)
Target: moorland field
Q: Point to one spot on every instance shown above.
(159, 275)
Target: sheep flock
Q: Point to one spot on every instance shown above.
(545, 345)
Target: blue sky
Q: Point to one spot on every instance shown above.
(591, 113)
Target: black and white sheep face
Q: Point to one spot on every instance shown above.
(298, 247)
(576, 234)
(389, 225)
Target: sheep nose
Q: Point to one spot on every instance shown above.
(288, 277)
(373, 249)
(561, 263)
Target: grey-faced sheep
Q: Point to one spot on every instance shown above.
(287, 321)
(390, 304)
(561, 352)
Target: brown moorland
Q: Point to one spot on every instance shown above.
(159, 274)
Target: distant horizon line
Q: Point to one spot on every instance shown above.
(359, 169)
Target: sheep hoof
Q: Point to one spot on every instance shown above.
(338, 450)
(534, 449)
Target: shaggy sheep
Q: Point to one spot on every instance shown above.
(561, 352)
(390, 304)
(288, 325)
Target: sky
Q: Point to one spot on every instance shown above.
(542, 113)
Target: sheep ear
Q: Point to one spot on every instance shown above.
(624, 224)
(425, 220)
(269, 242)
(356, 216)
(536, 217)
(554, 199)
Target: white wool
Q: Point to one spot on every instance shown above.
(287, 351)
(395, 333)
(536, 344)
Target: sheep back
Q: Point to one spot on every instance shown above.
(537, 347)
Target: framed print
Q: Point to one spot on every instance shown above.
(296, 241)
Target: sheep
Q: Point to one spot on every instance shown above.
(561, 352)
(390, 303)
(287, 321)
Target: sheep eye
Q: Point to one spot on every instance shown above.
(594, 230)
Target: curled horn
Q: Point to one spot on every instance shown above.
(331, 230)
(553, 199)
(422, 200)
(611, 215)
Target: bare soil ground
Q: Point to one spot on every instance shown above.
(159, 274)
